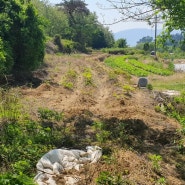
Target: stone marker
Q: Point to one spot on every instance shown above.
(143, 82)
(152, 53)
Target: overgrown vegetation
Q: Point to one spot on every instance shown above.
(23, 141)
(69, 79)
(174, 107)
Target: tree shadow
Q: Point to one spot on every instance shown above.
(28, 79)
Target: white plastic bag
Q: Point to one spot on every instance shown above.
(58, 160)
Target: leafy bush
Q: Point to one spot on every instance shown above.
(14, 179)
(6, 61)
(57, 41)
(106, 178)
(70, 46)
(23, 141)
(121, 43)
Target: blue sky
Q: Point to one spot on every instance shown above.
(106, 16)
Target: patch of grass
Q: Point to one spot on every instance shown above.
(173, 82)
(161, 181)
(156, 160)
(69, 79)
(102, 135)
(162, 86)
(128, 89)
(10, 107)
(106, 177)
(87, 74)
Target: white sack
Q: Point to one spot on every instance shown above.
(57, 160)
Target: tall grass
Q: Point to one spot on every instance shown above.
(10, 108)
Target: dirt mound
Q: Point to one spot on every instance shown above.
(85, 89)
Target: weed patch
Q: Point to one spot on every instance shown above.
(69, 79)
(87, 74)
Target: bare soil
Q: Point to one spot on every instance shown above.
(105, 99)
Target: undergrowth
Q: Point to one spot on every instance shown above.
(174, 107)
(23, 141)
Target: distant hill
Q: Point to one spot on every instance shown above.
(134, 35)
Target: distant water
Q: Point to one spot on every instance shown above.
(179, 67)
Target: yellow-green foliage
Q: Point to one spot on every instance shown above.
(10, 108)
(127, 88)
(131, 65)
(69, 46)
(87, 74)
(69, 79)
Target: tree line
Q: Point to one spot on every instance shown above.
(25, 25)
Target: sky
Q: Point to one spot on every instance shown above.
(107, 17)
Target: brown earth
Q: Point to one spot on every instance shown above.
(105, 98)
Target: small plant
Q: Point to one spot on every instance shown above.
(21, 166)
(113, 75)
(106, 178)
(171, 66)
(69, 79)
(157, 108)
(102, 135)
(13, 179)
(87, 74)
(49, 115)
(155, 159)
(149, 87)
(161, 181)
(160, 108)
(128, 89)
(68, 85)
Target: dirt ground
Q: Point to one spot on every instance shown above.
(106, 98)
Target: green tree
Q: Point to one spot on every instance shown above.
(72, 20)
(56, 21)
(146, 46)
(21, 34)
(172, 12)
(145, 39)
(30, 51)
(121, 43)
(77, 12)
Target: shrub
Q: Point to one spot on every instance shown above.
(57, 41)
(22, 36)
(12, 179)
